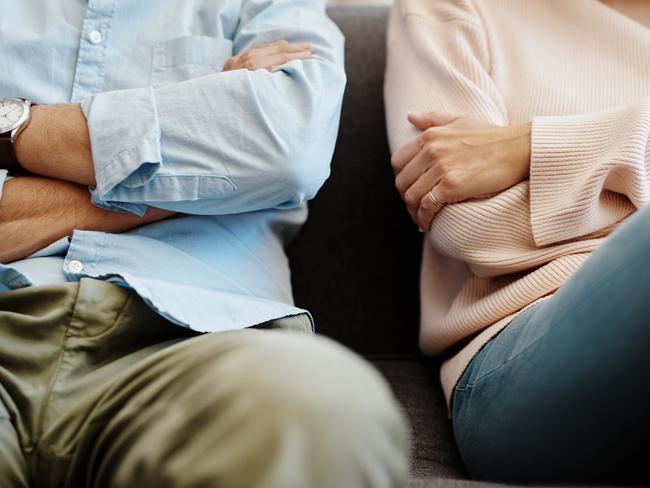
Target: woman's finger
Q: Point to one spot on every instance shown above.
(413, 196)
(413, 170)
(404, 154)
(430, 205)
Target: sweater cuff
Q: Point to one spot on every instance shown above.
(573, 160)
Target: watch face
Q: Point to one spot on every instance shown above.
(12, 112)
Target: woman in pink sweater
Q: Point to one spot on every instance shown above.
(520, 136)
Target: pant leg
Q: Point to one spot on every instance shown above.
(104, 392)
(563, 393)
(60, 348)
(255, 409)
(13, 467)
(31, 332)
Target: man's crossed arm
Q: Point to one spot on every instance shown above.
(36, 211)
(39, 209)
(56, 143)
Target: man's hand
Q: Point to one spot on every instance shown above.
(35, 212)
(56, 142)
(55, 147)
(457, 159)
(269, 56)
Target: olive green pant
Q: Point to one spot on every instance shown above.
(98, 390)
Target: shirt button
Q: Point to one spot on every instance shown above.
(75, 266)
(95, 37)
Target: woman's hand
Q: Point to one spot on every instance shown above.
(269, 56)
(456, 159)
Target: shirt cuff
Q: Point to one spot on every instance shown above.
(125, 136)
(4, 176)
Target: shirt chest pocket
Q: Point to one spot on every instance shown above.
(188, 57)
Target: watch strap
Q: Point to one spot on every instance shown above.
(7, 155)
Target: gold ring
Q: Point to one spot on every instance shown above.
(437, 203)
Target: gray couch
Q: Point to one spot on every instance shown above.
(356, 263)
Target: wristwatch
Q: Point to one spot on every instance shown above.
(15, 114)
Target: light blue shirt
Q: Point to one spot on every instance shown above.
(239, 152)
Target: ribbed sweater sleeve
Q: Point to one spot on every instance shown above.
(438, 60)
(588, 171)
(486, 260)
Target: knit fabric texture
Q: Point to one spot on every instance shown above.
(580, 71)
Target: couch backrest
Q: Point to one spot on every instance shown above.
(355, 265)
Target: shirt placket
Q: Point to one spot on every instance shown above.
(93, 44)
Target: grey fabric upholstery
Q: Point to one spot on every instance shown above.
(415, 383)
(356, 263)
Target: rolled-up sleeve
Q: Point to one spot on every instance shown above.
(228, 142)
(3, 177)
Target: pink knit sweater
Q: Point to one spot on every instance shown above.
(581, 72)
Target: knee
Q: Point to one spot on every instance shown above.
(324, 411)
(306, 373)
(318, 383)
(270, 409)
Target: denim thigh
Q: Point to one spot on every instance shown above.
(563, 393)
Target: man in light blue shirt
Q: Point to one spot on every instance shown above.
(146, 199)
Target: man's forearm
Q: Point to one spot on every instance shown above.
(35, 211)
(56, 144)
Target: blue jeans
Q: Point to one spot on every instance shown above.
(563, 393)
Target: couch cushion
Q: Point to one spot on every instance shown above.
(355, 265)
(416, 386)
(453, 483)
